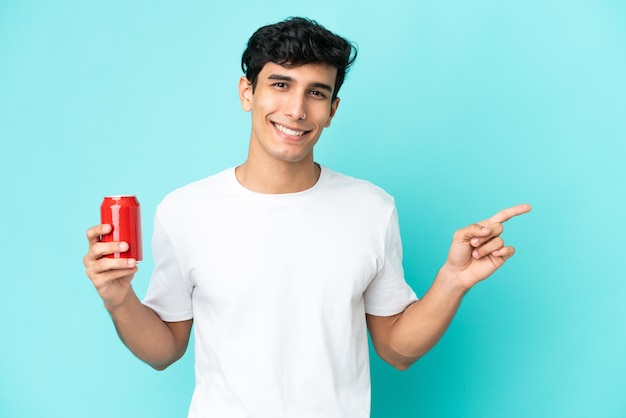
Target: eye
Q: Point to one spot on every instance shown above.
(280, 85)
(318, 93)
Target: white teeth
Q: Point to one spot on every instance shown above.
(288, 131)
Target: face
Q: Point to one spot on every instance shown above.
(290, 109)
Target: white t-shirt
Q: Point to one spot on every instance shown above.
(278, 286)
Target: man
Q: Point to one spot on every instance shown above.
(283, 264)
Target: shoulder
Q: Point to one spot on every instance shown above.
(355, 188)
(200, 190)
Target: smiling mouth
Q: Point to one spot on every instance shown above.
(288, 131)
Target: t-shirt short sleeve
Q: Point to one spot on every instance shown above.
(169, 293)
(389, 293)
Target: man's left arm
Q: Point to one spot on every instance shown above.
(477, 251)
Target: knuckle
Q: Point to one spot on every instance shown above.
(91, 256)
(93, 232)
(100, 249)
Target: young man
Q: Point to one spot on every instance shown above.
(283, 264)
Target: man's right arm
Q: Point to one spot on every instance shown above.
(152, 340)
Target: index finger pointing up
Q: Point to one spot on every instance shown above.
(506, 214)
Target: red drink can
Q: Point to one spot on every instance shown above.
(123, 213)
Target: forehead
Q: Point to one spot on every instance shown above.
(305, 74)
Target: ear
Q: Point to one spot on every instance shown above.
(245, 94)
(333, 109)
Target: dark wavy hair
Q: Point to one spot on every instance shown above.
(297, 41)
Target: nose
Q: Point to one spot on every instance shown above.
(295, 107)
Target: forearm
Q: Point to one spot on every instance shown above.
(477, 251)
(424, 322)
(145, 334)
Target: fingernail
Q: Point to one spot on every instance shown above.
(123, 246)
(131, 262)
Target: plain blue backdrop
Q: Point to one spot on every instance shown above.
(458, 109)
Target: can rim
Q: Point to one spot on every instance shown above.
(113, 196)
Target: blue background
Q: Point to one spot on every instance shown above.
(456, 108)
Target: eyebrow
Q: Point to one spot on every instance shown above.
(317, 85)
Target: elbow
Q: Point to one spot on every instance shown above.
(159, 367)
(162, 364)
(403, 364)
(398, 361)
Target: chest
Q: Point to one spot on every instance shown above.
(307, 255)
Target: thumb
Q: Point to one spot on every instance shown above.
(473, 231)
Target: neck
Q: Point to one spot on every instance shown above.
(278, 178)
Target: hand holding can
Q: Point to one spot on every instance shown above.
(123, 213)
